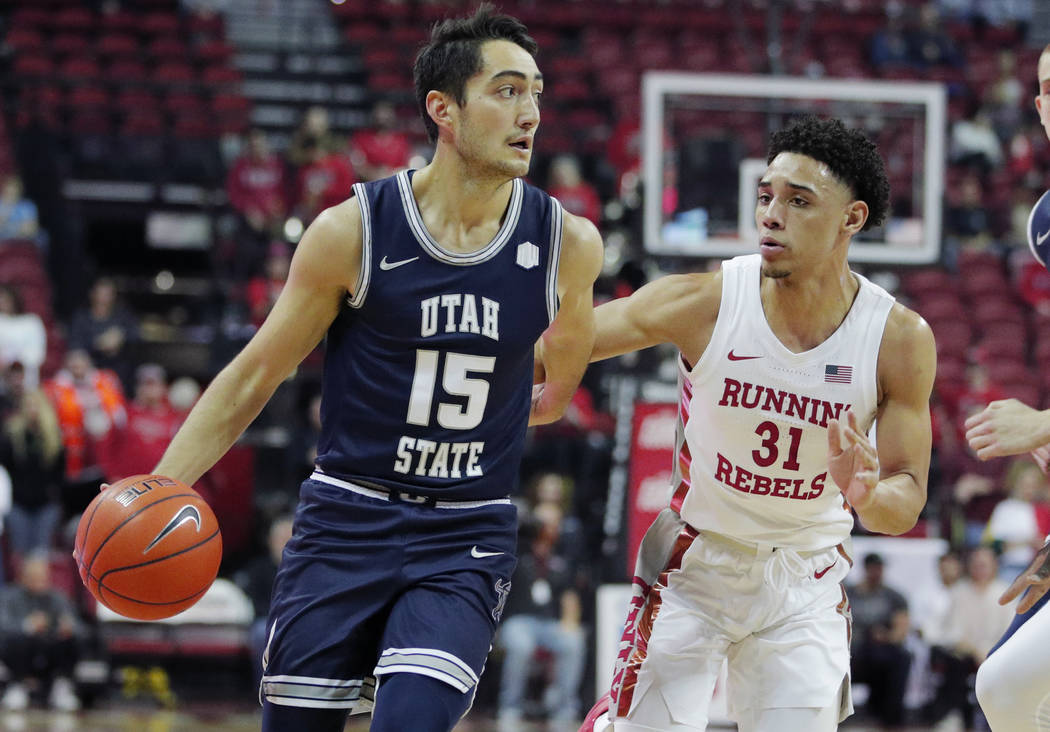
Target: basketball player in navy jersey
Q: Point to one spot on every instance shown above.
(1013, 683)
(433, 287)
(787, 359)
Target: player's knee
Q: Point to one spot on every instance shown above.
(416, 702)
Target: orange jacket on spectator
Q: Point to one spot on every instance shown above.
(70, 409)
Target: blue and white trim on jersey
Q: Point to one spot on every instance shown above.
(321, 477)
(365, 277)
(431, 662)
(434, 249)
(356, 695)
(557, 217)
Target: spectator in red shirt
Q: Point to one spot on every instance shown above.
(324, 180)
(261, 292)
(381, 150)
(151, 423)
(256, 186)
(568, 186)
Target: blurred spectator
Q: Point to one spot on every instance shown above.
(974, 142)
(543, 611)
(23, 337)
(1004, 96)
(1033, 284)
(880, 629)
(932, 605)
(890, 48)
(18, 215)
(256, 579)
(929, 44)
(568, 186)
(380, 150)
(965, 215)
(933, 602)
(974, 624)
(183, 394)
(40, 632)
(312, 134)
(89, 402)
(31, 451)
(1020, 521)
(325, 178)
(105, 329)
(261, 292)
(136, 447)
(256, 187)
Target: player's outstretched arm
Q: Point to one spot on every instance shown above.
(565, 346)
(324, 268)
(679, 309)
(887, 488)
(1007, 427)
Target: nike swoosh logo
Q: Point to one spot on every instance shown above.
(824, 571)
(186, 513)
(478, 554)
(734, 357)
(385, 265)
(1040, 238)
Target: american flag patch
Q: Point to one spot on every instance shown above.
(838, 374)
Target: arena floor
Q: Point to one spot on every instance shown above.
(222, 718)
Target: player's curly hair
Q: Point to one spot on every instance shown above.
(453, 55)
(847, 152)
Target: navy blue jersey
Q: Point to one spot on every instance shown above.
(428, 369)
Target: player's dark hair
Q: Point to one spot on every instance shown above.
(847, 152)
(453, 55)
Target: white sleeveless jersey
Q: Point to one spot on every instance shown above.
(752, 444)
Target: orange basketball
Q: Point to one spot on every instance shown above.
(148, 547)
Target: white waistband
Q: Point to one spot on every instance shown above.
(403, 497)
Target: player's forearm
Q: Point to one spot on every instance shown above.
(565, 352)
(224, 411)
(895, 506)
(615, 333)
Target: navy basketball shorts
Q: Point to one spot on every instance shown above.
(372, 585)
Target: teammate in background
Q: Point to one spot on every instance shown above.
(787, 360)
(1013, 684)
(433, 287)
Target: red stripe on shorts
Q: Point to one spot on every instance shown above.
(634, 643)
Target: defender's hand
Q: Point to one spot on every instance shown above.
(852, 462)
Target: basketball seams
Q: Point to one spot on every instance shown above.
(180, 552)
(123, 523)
(198, 593)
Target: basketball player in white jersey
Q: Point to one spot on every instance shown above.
(1013, 684)
(787, 360)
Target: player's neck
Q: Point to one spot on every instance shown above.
(803, 312)
(461, 211)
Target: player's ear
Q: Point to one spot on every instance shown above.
(855, 217)
(441, 109)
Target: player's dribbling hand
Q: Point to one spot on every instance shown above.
(1036, 579)
(1005, 427)
(852, 462)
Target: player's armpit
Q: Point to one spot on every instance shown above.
(679, 309)
(564, 347)
(907, 364)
